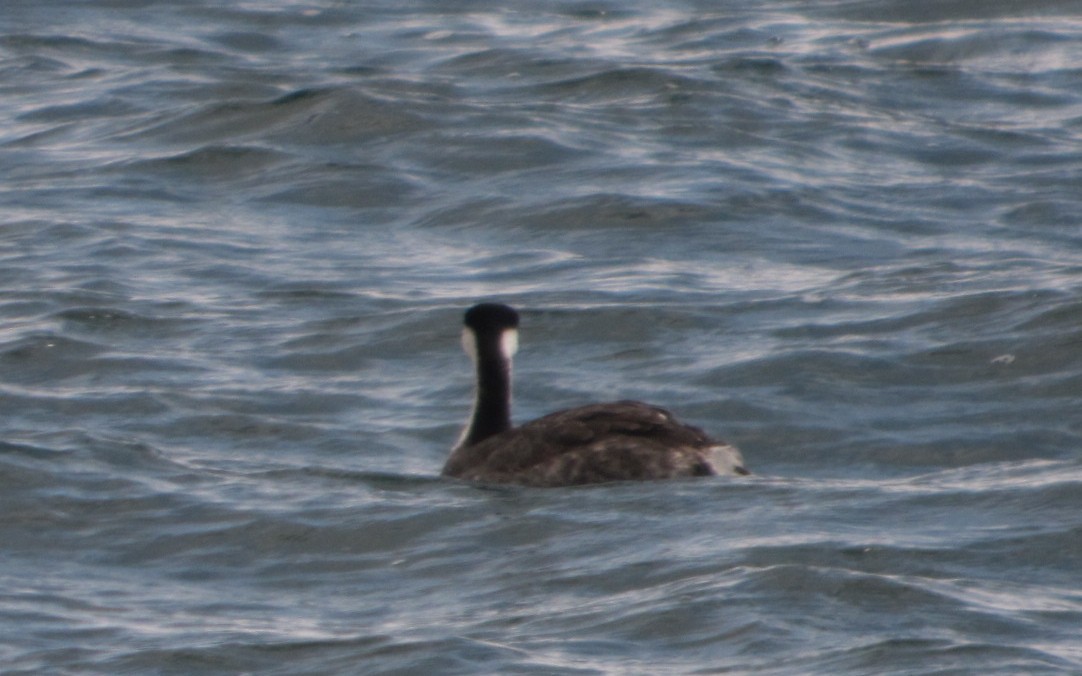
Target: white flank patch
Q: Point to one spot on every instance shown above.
(724, 458)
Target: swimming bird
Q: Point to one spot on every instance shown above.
(616, 441)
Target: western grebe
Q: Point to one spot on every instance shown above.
(617, 441)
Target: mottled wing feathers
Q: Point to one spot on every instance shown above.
(625, 440)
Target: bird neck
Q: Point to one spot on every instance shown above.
(492, 405)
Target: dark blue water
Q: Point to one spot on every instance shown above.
(236, 242)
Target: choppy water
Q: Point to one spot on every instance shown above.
(236, 240)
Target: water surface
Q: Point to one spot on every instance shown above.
(237, 243)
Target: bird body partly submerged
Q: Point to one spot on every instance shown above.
(617, 441)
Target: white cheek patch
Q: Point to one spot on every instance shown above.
(469, 343)
(509, 343)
